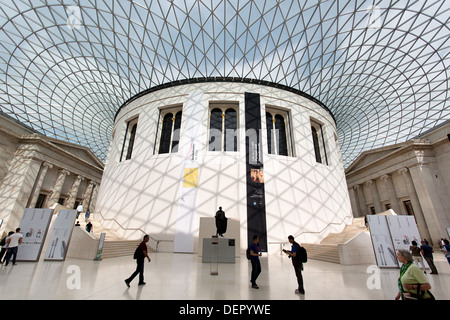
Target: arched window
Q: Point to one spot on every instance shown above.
(170, 132)
(166, 133)
(230, 130)
(215, 130)
(270, 133)
(223, 125)
(278, 133)
(176, 132)
(131, 142)
(318, 139)
(128, 141)
(315, 138)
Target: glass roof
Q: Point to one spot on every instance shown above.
(381, 67)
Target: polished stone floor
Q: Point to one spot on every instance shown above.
(185, 277)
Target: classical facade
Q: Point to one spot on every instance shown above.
(39, 172)
(267, 154)
(410, 178)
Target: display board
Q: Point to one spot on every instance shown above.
(390, 233)
(403, 231)
(33, 227)
(58, 243)
(381, 241)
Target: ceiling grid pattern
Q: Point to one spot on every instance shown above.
(381, 67)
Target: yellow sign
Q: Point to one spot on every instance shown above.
(190, 178)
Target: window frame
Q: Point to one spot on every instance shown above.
(224, 107)
(286, 115)
(173, 145)
(321, 143)
(126, 153)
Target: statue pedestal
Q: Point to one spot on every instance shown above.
(208, 228)
(222, 251)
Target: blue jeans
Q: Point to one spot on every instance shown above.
(11, 252)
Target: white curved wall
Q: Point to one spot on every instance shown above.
(303, 198)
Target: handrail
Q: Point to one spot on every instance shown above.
(132, 229)
(281, 243)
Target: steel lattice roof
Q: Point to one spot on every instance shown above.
(381, 67)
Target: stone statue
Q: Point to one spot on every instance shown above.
(221, 222)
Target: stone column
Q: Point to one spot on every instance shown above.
(355, 201)
(58, 187)
(73, 192)
(392, 194)
(94, 195)
(37, 190)
(88, 194)
(16, 189)
(428, 194)
(418, 213)
(375, 196)
(362, 200)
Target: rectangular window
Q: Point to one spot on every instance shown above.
(169, 130)
(223, 125)
(129, 139)
(318, 138)
(279, 138)
(41, 200)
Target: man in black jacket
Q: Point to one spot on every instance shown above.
(294, 254)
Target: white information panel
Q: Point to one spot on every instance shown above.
(33, 227)
(403, 231)
(61, 233)
(381, 241)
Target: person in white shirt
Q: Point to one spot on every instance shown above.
(13, 242)
(79, 209)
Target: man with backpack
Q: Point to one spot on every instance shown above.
(140, 254)
(298, 256)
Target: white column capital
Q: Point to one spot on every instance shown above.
(47, 164)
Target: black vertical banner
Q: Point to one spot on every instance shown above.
(256, 204)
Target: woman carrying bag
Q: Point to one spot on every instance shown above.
(412, 283)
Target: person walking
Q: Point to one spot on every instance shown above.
(446, 249)
(13, 242)
(254, 259)
(140, 254)
(427, 253)
(86, 216)
(417, 257)
(294, 254)
(4, 246)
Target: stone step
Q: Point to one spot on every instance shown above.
(328, 253)
(327, 250)
(112, 249)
